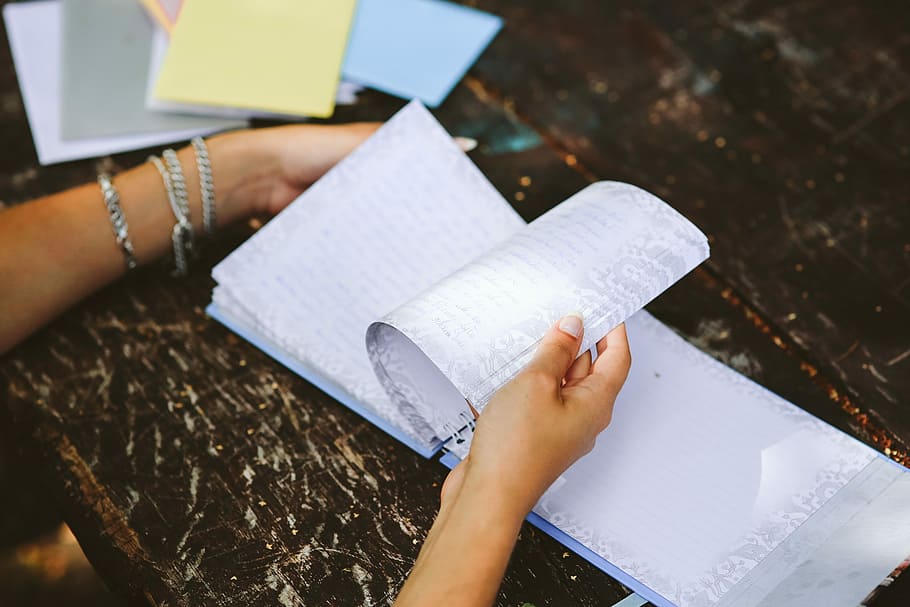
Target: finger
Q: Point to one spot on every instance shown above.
(473, 410)
(308, 151)
(558, 348)
(579, 370)
(601, 346)
(341, 140)
(596, 393)
(466, 143)
(614, 362)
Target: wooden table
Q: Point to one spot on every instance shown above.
(196, 470)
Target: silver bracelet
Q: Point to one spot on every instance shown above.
(206, 184)
(182, 234)
(178, 183)
(178, 187)
(118, 221)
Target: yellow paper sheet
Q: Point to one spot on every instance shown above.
(281, 56)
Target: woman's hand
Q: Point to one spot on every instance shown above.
(530, 432)
(546, 418)
(258, 171)
(263, 170)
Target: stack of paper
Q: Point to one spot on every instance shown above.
(283, 56)
(36, 33)
(241, 55)
(102, 76)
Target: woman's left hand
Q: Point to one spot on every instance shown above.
(261, 171)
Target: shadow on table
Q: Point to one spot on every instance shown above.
(51, 570)
(41, 564)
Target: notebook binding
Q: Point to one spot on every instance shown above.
(456, 432)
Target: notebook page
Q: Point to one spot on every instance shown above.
(402, 211)
(701, 474)
(604, 252)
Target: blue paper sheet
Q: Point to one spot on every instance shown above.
(416, 48)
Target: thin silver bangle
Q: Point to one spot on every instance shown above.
(118, 221)
(206, 184)
(182, 233)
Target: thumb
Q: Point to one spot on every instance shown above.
(559, 347)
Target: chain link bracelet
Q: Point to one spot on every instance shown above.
(118, 221)
(182, 234)
(178, 183)
(206, 184)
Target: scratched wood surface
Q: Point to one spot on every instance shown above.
(195, 470)
(782, 129)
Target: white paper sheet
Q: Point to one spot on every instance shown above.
(402, 211)
(34, 30)
(605, 252)
(701, 474)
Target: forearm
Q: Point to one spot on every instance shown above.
(466, 551)
(56, 250)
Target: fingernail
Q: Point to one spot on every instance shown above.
(466, 143)
(572, 324)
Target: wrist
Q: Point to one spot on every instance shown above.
(501, 499)
(243, 170)
(471, 538)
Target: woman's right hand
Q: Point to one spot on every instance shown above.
(542, 421)
(535, 427)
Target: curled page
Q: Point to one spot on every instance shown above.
(605, 252)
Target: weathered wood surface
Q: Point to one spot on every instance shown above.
(196, 470)
(782, 129)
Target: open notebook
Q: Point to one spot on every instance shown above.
(402, 283)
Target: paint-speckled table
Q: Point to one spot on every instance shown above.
(196, 470)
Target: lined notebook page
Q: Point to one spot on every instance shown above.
(402, 211)
(605, 252)
(701, 473)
